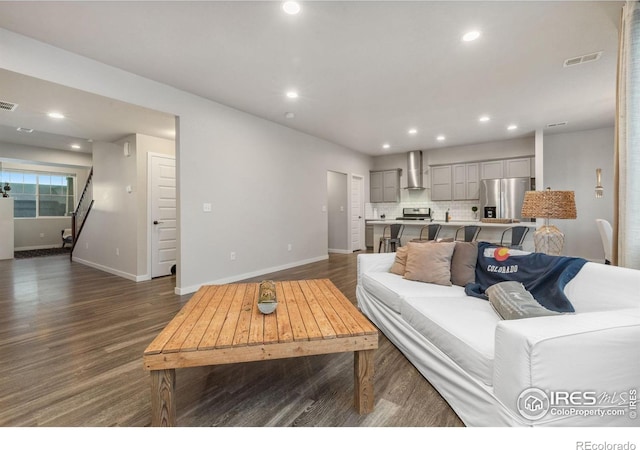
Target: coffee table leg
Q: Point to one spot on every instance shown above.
(163, 407)
(363, 380)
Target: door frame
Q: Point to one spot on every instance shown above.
(149, 226)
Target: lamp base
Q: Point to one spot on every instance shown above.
(549, 239)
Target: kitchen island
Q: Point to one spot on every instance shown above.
(490, 232)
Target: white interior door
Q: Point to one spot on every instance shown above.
(357, 213)
(163, 215)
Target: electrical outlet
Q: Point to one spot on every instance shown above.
(232, 256)
(289, 247)
(117, 251)
(206, 207)
(41, 235)
(86, 245)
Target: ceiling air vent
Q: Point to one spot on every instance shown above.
(555, 125)
(25, 130)
(582, 59)
(8, 106)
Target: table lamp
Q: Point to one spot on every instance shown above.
(549, 204)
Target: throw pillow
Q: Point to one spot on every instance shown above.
(463, 263)
(400, 262)
(429, 263)
(510, 300)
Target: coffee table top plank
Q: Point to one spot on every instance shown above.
(257, 329)
(211, 302)
(295, 317)
(346, 310)
(332, 315)
(320, 327)
(214, 329)
(230, 325)
(159, 343)
(309, 320)
(280, 328)
(241, 336)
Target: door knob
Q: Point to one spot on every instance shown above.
(155, 222)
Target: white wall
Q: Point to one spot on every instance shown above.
(108, 240)
(570, 163)
(267, 183)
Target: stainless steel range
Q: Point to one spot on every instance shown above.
(415, 214)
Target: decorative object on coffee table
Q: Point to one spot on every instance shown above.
(549, 204)
(267, 300)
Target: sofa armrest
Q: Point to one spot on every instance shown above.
(374, 262)
(595, 351)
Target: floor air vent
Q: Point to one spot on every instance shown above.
(7, 106)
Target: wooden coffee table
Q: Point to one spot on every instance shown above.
(222, 325)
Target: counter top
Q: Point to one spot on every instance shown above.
(452, 223)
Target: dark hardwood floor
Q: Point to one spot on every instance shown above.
(71, 344)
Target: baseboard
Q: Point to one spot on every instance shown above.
(244, 276)
(339, 250)
(111, 270)
(37, 247)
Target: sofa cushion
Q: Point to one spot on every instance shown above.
(511, 300)
(463, 263)
(430, 263)
(461, 327)
(391, 289)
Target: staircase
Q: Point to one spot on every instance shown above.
(79, 216)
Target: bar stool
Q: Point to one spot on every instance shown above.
(517, 237)
(429, 233)
(391, 237)
(470, 232)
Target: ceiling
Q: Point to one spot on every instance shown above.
(365, 71)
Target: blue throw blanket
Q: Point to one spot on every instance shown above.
(544, 276)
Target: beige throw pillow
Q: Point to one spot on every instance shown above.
(429, 263)
(463, 263)
(400, 262)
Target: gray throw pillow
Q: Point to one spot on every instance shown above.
(510, 300)
(463, 263)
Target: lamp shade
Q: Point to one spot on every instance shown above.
(549, 204)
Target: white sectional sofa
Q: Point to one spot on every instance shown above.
(496, 372)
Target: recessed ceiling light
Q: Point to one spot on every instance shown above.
(292, 94)
(471, 36)
(484, 118)
(386, 146)
(56, 115)
(512, 127)
(24, 130)
(75, 146)
(289, 115)
(413, 131)
(291, 7)
(440, 138)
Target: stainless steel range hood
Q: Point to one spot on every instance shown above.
(414, 170)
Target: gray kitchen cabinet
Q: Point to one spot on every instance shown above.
(465, 181)
(441, 183)
(491, 169)
(384, 186)
(517, 168)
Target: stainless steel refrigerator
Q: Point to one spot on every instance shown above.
(502, 198)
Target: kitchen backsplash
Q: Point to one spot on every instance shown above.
(458, 210)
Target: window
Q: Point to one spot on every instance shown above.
(40, 194)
